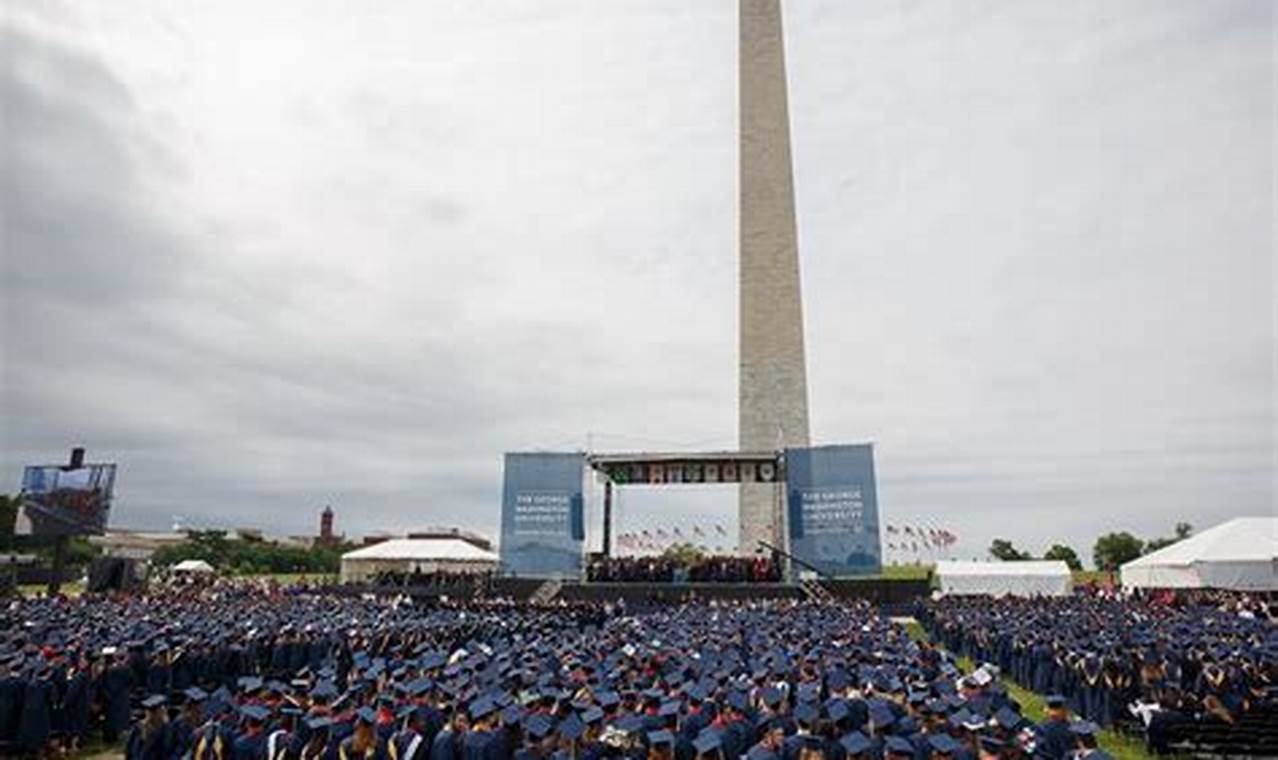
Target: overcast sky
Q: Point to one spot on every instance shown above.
(269, 256)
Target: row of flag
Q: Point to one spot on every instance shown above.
(899, 538)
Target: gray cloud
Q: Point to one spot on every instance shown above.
(351, 258)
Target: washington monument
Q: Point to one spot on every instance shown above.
(773, 387)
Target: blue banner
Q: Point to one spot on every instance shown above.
(543, 521)
(833, 508)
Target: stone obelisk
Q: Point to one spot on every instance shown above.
(773, 390)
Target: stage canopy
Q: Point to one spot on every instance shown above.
(1241, 554)
(426, 555)
(1029, 578)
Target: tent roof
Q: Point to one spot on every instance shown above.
(1017, 568)
(424, 549)
(1243, 539)
(193, 566)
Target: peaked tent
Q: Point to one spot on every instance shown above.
(1027, 578)
(426, 555)
(1241, 554)
(193, 566)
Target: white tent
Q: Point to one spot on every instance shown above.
(427, 555)
(1028, 578)
(197, 566)
(1241, 554)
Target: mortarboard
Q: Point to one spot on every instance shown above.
(538, 726)
(1007, 718)
(898, 745)
(707, 741)
(1083, 728)
(659, 738)
(154, 701)
(1055, 701)
(255, 713)
(855, 743)
(195, 694)
(319, 722)
(366, 715)
(571, 727)
(943, 744)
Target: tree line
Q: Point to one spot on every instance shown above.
(1111, 551)
(244, 556)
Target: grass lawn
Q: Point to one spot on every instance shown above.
(71, 588)
(1033, 707)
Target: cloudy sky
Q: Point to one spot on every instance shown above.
(269, 256)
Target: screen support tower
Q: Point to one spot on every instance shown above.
(772, 392)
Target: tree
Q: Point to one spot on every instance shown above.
(8, 516)
(1003, 549)
(1065, 553)
(1114, 549)
(1183, 530)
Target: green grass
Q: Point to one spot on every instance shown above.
(1034, 707)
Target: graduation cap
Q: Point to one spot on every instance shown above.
(539, 726)
(898, 745)
(195, 694)
(707, 741)
(319, 722)
(154, 701)
(593, 715)
(324, 690)
(806, 714)
(481, 707)
(571, 727)
(629, 723)
(856, 743)
(255, 713)
(366, 715)
(660, 738)
(512, 714)
(881, 715)
(669, 708)
(1007, 718)
(1083, 728)
(837, 709)
(1055, 701)
(943, 744)
(771, 696)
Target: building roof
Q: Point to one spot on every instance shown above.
(423, 549)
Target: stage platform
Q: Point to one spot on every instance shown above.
(876, 590)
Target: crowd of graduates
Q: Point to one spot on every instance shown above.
(264, 672)
(707, 569)
(1162, 661)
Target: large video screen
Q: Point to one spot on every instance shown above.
(61, 501)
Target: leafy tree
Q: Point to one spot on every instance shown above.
(1065, 553)
(8, 516)
(251, 557)
(1114, 549)
(1003, 549)
(1183, 530)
